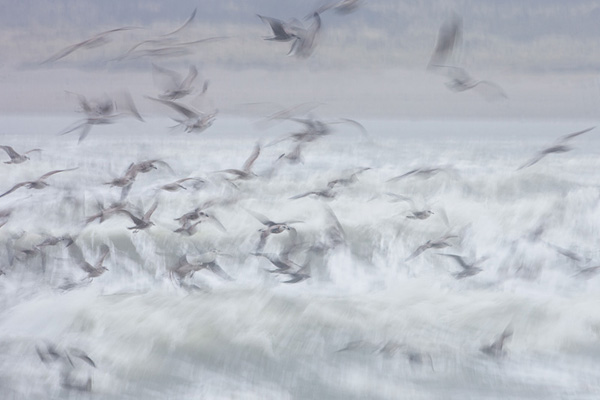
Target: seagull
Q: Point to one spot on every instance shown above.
(143, 222)
(184, 268)
(95, 41)
(102, 112)
(469, 269)
(188, 229)
(300, 275)
(347, 180)
(496, 349)
(246, 171)
(282, 31)
(54, 240)
(432, 244)
(423, 173)
(195, 121)
(271, 227)
(146, 166)
(328, 193)
(461, 80)
(104, 213)
(16, 158)
(560, 146)
(280, 261)
(95, 270)
(39, 183)
(173, 85)
(177, 185)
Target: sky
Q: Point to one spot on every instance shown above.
(371, 62)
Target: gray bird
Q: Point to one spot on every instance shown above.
(469, 269)
(16, 158)
(95, 41)
(270, 228)
(195, 121)
(560, 146)
(143, 222)
(174, 86)
(431, 244)
(246, 171)
(95, 270)
(496, 349)
(39, 183)
(282, 31)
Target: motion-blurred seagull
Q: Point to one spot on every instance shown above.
(104, 213)
(177, 185)
(469, 269)
(143, 222)
(196, 121)
(101, 112)
(347, 180)
(186, 268)
(16, 158)
(461, 80)
(39, 183)
(496, 349)
(432, 244)
(560, 146)
(174, 86)
(271, 227)
(423, 173)
(282, 31)
(95, 270)
(95, 41)
(280, 261)
(246, 171)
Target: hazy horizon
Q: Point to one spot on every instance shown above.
(368, 63)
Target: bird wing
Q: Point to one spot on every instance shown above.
(173, 79)
(449, 36)
(216, 269)
(263, 219)
(10, 151)
(32, 150)
(18, 185)
(277, 26)
(41, 178)
(255, 153)
(186, 23)
(572, 135)
(150, 211)
(178, 107)
(458, 259)
(189, 79)
(104, 251)
(533, 160)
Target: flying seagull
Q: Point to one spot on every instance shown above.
(560, 146)
(39, 183)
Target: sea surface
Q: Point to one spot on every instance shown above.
(374, 314)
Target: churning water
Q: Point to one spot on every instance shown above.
(376, 315)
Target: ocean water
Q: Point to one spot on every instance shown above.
(375, 319)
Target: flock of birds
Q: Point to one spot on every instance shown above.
(285, 262)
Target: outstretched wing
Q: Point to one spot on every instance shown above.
(55, 172)
(10, 151)
(18, 185)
